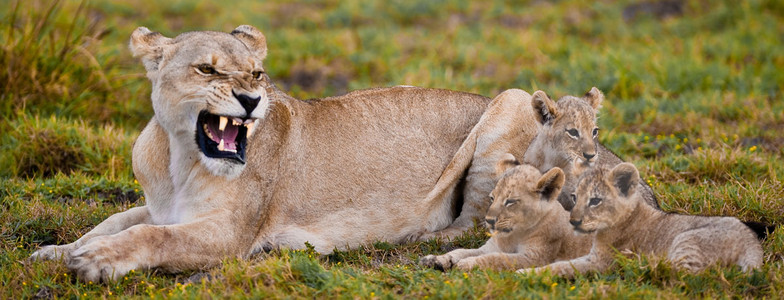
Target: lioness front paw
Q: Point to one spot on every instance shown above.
(53, 252)
(440, 262)
(102, 260)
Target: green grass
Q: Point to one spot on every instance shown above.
(694, 100)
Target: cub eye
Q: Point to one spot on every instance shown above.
(574, 199)
(492, 199)
(573, 132)
(258, 75)
(595, 201)
(595, 132)
(509, 202)
(206, 69)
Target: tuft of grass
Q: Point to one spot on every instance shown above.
(35, 146)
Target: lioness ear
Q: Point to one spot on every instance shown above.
(551, 183)
(594, 97)
(149, 47)
(253, 38)
(625, 177)
(544, 108)
(507, 161)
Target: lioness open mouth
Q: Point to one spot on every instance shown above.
(222, 136)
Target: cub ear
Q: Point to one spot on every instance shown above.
(625, 178)
(594, 97)
(149, 47)
(544, 108)
(551, 183)
(507, 161)
(253, 39)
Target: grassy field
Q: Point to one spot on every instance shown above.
(694, 99)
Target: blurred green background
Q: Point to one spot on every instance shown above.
(693, 98)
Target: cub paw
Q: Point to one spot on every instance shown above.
(466, 264)
(53, 252)
(441, 262)
(530, 271)
(102, 260)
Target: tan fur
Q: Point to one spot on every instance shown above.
(609, 203)
(528, 226)
(336, 173)
(555, 146)
(507, 126)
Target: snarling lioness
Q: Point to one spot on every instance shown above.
(230, 165)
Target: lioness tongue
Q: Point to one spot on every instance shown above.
(228, 134)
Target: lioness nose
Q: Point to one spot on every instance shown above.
(575, 223)
(588, 156)
(490, 222)
(248, 103)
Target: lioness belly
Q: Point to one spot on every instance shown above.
(350, 185)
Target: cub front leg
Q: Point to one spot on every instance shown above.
(447, 261)
(172, 247)
(568, 268)
(505, 261)
(114, 224)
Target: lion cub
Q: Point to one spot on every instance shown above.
(528, 225)
(608, 202)
(568, 138)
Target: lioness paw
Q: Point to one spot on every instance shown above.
(53, 252)
(102, 260)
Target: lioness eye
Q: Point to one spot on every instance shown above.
(258, 75)
(595, 201)
(573, 132)
(574, 199)
(595, 132)
(206, 69)
(509, 202)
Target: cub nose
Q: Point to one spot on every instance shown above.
(490, 222)
(588, 156)
(247, 102)
(575, 223)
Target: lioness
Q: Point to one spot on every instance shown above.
(528, 226)
(609, 203)
(230, 165)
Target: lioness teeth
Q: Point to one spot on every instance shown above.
(221, 146)
(236, 122)
(250, 129)
(223, 122)
(207, 131)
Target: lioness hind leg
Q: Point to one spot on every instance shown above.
(507, 126)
